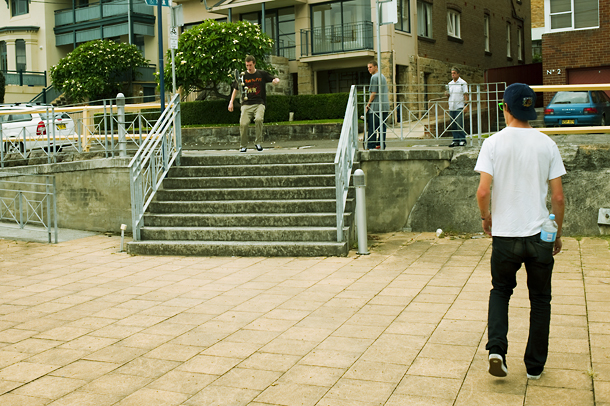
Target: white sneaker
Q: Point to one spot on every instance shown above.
(497, 366)
(533, 377)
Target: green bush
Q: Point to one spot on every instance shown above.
(2, 87)
(305, 107)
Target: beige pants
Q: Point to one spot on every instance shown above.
(247, 113)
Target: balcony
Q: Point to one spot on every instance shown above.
(96, 11)
(337, 38)
(25, 78)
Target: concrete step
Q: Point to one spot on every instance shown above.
(249, 206)
(243, 220)
(256, 170)
(265, 158)
(241, 233)
(240, 248)
(249, 181)
(246, 194)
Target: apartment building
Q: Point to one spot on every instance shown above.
(574, 41)
(35, 35)
(327, 44)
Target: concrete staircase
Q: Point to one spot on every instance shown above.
(253, 204)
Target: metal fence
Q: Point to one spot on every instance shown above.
(158, 151)
(27, 200)
(337, 38)
(422, 111)
(43, 131)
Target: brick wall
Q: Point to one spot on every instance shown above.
(567, 50)
(470, 51)
(537, 13)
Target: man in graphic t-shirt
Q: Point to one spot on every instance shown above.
(253, 105)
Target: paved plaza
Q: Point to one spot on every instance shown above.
(82, 324)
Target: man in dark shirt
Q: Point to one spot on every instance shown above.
(253, 103)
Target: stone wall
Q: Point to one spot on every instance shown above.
(283, 73)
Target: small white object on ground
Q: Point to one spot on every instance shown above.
(439, 232)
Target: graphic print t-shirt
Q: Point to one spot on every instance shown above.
(255, 82)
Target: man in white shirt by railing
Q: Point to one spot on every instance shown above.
(457, 90)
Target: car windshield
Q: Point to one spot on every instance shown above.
(571, 98)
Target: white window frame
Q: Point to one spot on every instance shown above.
(547, 18)
(424, 13)
(519, 44)
(486, 32)
(453, 24)
(508, 54)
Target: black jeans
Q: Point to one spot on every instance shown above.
(376, 129)
(508, 253)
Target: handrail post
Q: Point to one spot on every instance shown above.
(120, 103)
(20, 199)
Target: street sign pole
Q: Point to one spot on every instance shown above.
(160, 35)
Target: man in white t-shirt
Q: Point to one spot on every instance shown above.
(457, 90)
(517, 165)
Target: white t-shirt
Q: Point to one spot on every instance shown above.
(521, 161)
(457, 89)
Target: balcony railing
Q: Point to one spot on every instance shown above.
(93, 11)
(337, 38)
(25, 78)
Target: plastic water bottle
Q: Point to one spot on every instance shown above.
(549, 229)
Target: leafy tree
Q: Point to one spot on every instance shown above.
(208, 54)
(96, 70)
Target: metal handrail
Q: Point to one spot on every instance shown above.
(32, 202)
(151, 163)
(344, 158)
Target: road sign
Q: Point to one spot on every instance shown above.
(173, 38)
(166, 3)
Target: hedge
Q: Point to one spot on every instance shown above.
(305, 107)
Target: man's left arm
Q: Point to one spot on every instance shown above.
(557, 207)
(484, 199)
(465, 98)
(273, 79)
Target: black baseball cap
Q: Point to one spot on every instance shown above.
(521, 101)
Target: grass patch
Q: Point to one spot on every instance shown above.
(328, 121)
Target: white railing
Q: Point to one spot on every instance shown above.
(158, 151)
(344, 159)
(28, 200)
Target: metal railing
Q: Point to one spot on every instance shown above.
(161, 147)
(422, 111)
(46, 96)
(25, 78)
(344, 159)
(88, 129)
(33, 202)
(337, 38)
(98, 10)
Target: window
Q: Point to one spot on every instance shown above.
(519, 44)
(20, 55)
(341, 26)
(424, 19)
(508, 54)
(19, 7)
(279, 26)
(453, 23)
(404, 16)
(573, 14)
(486, 31)
(3, 57)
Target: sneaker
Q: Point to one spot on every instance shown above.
(454, 144)
(243, 149)
(497, 366)
(259, 147)
(462, 144)
(534, 377)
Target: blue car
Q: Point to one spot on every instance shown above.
(578, 108)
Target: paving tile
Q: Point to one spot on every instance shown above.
(602, 392)
(80, 398)
(270, 362)
(376, 371)
(412, 400)
(539, 395)
(153, 397)
(206, 364)
(147, 367)
(116, 354)
(248, 378)
(50, 387)
(232, 349)
(182, 382)
(469, 398)
(174, 352)
(330, 358)
(313, 375)
(424, 386)
(10, 399)
(11, 357)
(25, 371)
(362, 391)
(442, 368)
(214, 395)
(85, 370)
(7, 386)
(290, 394)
